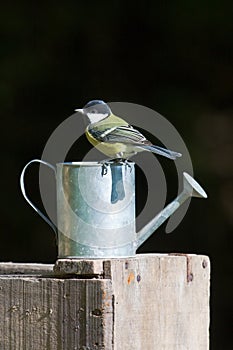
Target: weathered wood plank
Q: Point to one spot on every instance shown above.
(9, 268)
(79, 267)
(153, 301)
(160, 301)
(155, 305)
(54, 314)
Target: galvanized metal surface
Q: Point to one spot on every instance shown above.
(89, 223)
(96, 209)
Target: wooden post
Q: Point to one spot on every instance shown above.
(145, 302)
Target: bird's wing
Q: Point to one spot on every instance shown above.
(127, 135)
(124, 134)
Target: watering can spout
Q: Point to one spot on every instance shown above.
(190, 189)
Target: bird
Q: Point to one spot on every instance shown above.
(114, 137)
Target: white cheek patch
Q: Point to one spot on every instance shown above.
(96, 117)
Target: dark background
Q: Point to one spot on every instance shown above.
(173, 57)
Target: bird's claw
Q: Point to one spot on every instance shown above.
(127, 163)
(104, 169)
(108, 162)
(105, 164)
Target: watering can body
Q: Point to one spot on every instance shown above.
(96, 209)
(95, 212)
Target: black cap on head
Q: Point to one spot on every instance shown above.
(97, 106)
(94, 103)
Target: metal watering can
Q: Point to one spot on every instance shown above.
(96, 209)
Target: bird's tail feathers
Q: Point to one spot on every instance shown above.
(162, 151)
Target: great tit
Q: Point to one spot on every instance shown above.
(114, 137)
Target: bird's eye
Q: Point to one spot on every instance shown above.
(94, 111)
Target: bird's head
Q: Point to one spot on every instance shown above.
(95, 110)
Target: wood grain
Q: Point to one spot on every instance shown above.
(153, 301)
(55, 314)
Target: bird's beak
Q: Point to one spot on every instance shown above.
(79, 110)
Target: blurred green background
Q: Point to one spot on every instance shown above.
(174, 57)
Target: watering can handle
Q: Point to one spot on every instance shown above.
(26, 197)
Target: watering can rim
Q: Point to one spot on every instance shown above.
(89, 163)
